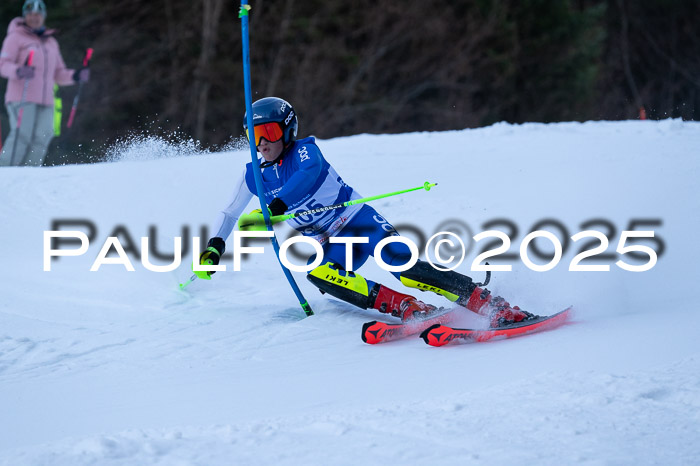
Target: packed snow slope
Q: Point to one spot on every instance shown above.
(119, 367)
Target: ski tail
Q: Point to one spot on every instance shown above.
(381, 332)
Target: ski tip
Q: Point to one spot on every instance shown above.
(565, 314)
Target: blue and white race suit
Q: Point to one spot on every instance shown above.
(303, 180)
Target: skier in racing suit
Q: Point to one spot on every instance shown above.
(296, 177)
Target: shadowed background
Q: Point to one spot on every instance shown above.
(172, 68)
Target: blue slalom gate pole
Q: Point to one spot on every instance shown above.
(243, 14)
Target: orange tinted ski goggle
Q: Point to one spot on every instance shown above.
(270, 131)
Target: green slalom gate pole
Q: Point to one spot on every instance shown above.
(243, 15)
(282, 218)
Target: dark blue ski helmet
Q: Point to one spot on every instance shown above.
(274, 109)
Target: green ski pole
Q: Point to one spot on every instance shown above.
(282, 218)
(192, 278)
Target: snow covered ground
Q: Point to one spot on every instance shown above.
(118, 367)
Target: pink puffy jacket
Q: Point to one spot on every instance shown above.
(48, 64)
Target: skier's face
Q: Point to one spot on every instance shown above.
(34, 20)
(270, 150)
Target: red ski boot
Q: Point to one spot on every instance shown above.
(501, 314)
(400, 305)
(497, 309)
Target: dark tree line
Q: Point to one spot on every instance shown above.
(173, 67)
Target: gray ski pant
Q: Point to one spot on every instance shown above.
(30, 143)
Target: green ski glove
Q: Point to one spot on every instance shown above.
(211, 256)
(253, 221)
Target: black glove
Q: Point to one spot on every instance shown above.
(25, 72)
(81, 75)
(211, 256)
(277, 206)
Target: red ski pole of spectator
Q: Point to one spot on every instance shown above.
(30, 60)
(20, 112)
(76, 99)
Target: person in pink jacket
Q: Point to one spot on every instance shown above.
(31, 87)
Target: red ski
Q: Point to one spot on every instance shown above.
(379, 332)
(440, 335)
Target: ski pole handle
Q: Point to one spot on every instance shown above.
(88, 56)
(280, 218)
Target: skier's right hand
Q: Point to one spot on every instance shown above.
(25, 72)
(253, 221)
(211, 256)
(82, 75)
